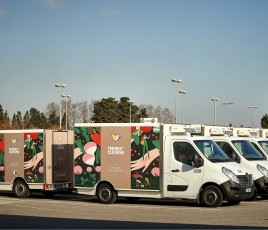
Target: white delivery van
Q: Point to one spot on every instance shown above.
(153, 160)
(242, 151)
(36, 159)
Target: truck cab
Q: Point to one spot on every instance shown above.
(196, 168)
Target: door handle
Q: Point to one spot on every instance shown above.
(175, 170)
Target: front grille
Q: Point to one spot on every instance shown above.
(245, 181)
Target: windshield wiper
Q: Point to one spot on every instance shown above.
(219, 160)
(255, 159)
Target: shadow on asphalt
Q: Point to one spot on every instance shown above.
(31, 222)
(120, 200)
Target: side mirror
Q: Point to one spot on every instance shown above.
(236, 158)
(197, 161)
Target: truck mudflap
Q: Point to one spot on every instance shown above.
(262, 186)
(233, 191)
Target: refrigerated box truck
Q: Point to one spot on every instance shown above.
(38, 159)
(152, 160)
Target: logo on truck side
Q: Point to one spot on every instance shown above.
(115, 137)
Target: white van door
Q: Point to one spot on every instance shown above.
(183, 179)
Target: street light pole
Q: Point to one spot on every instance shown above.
(214, 99)
(66, 118)
(60, 86)
(252, 107)
(227, 104)
(174, 80)
(182, 93)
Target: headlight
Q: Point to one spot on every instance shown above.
(230, 174)
(263, 170)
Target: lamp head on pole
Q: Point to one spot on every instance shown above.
(214, 99)
(68, 96)
(60, 85)
(176, 80)
(182, 91)
(227, 103)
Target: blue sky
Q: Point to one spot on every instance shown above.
(132, 48)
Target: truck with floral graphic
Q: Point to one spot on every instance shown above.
(152, 160)
(35, 160)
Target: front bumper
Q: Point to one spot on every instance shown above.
(233, 191)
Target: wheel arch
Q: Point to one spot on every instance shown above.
(105, 182)
(17, 179)
(208, 184)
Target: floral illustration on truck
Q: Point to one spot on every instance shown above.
(33, 157)
(2, 157)
(87, 156)
(145, 151)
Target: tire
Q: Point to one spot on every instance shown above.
(106, 194)
(211, 196)
(21, 189)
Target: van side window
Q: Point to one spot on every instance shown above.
(184, 152)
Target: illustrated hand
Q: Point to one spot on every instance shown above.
(145, 161)
(34, 161)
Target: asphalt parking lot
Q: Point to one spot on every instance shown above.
(70, 211)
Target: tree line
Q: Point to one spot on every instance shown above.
(106, 110)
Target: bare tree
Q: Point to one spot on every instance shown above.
(163, 115)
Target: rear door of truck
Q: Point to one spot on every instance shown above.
(60, 157)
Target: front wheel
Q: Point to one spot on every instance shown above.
(211, 196)
(106, 194)
(21, 189)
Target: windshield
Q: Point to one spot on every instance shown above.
(212, 151)
(247, 150)
(264, 145)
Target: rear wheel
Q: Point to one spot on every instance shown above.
(21, 189)
(106, 194)
(211, 196)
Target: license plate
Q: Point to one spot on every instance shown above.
(248, 189)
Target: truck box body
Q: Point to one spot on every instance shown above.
(139, 160)
(38, 159)
(114, 153)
